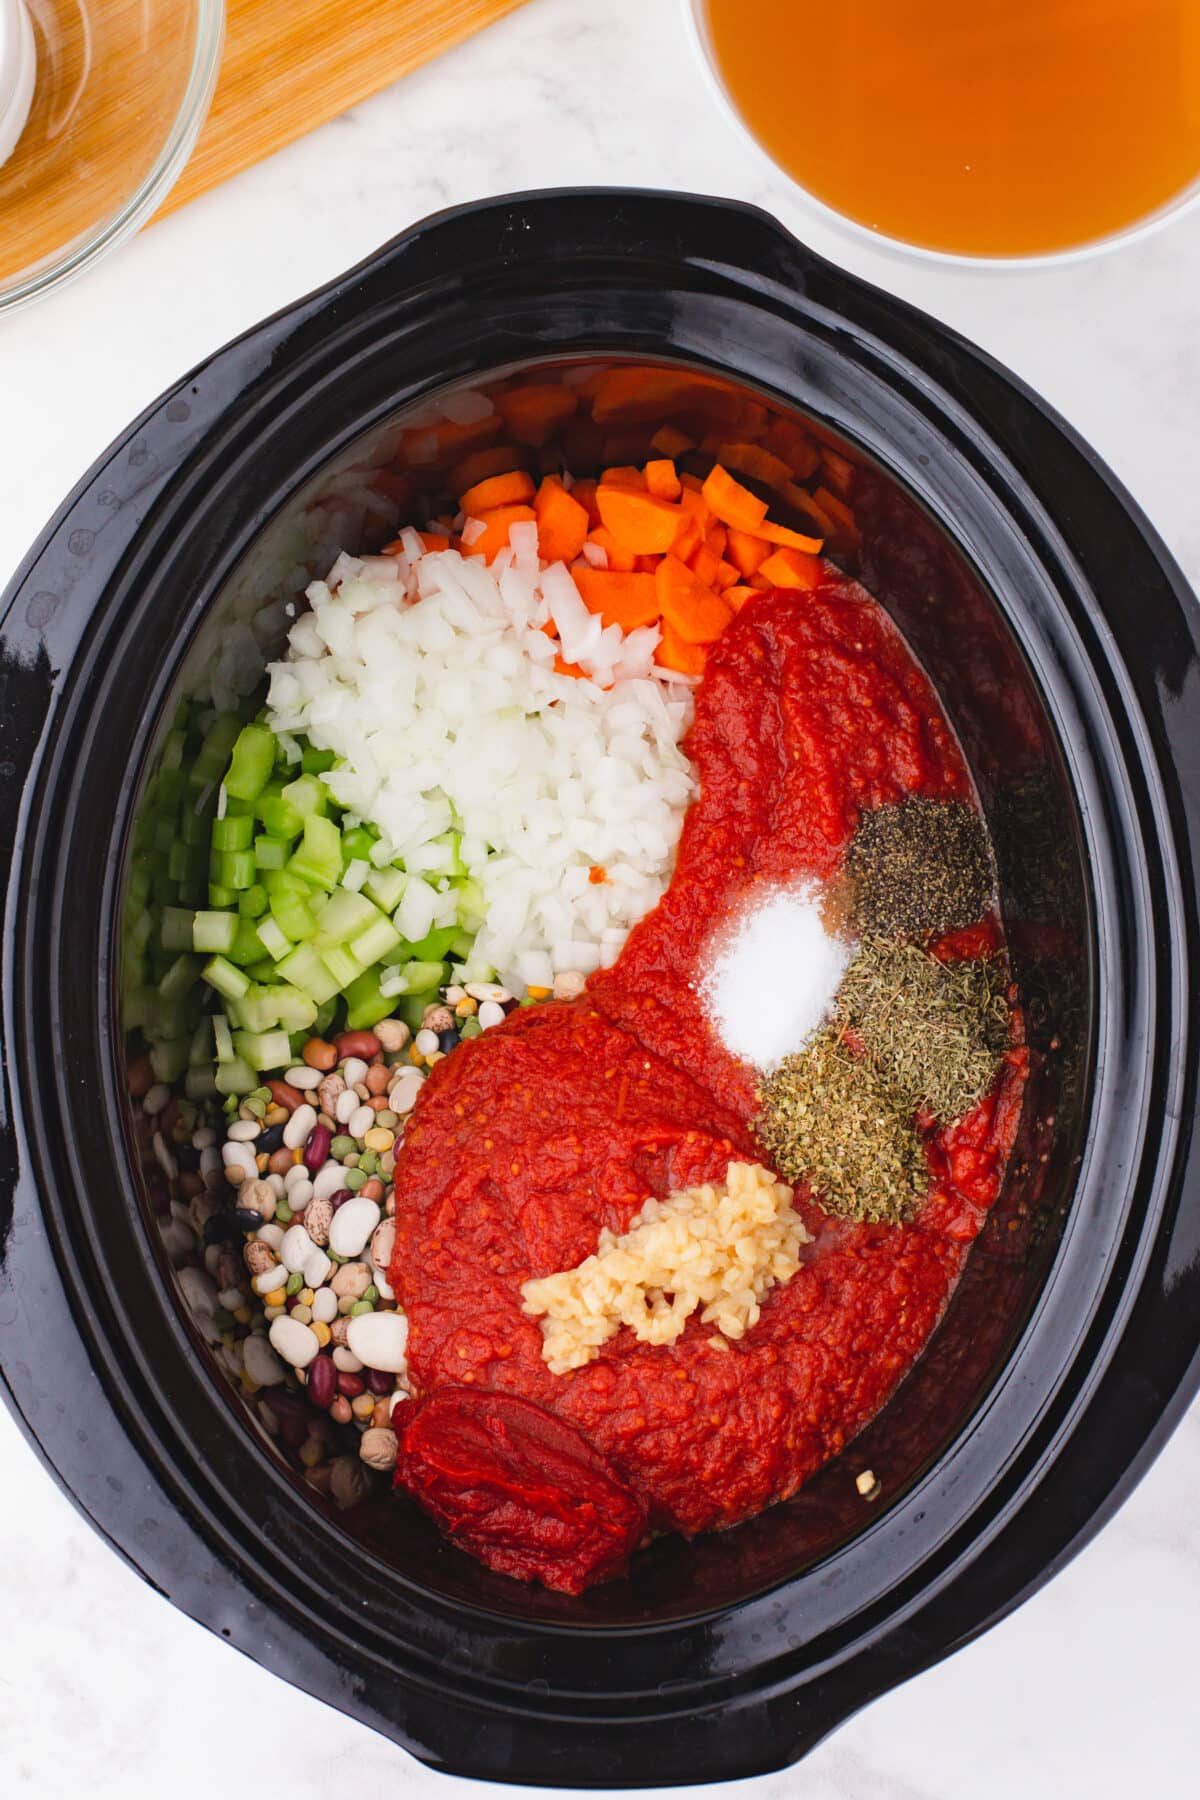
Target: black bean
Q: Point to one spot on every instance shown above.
(247, 1219)
(268, 1140)
(447, 1040)
(221, 1228)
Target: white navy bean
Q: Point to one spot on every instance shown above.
(260, 1361)
(352, 1225)
(304, 1078)
(239, 1156)
(380, 1340)
(156, 1098)
(300, 1195)
(276, 1185)
(210, 1161)
(198, 1289)
(347, 1106)
(345, 1360)
(295, 1249)
(202, 1139)
(271, 1235)
(231, 1298)
(403, 1092)
(425, 1042)
(354, 1070)
(490, 1014)
(486, 991)
(360, 1122)
(382, 1283)
(329, 1181)
(270, 1279)
(296, 1343)
(317, 1269)
(325, 1306)
(244, 1131)
(294, 1176)
(164, 1158)
(298, 1126)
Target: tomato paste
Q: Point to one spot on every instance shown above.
(568, 1116)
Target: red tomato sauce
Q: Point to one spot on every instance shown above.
(568, 1116)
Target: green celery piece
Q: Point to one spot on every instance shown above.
(171, 760)
(219, 896)
(222, 1038)
(319, 857)
(432, 947)
(295, 1011)
(184, 860)
(305, 970)
(271, 852)
(385, 887)
(314, 761)
(232, 833)
(232, 868)
(264, 1049)
(326, 1014)
(175, 931)
(358, 843)
(182, 975)
(200, 1050)
(214, 931)
(169, 1059)
(200, 1083)
(138, 891)
(236, 1077)
(416, 977)
(263, 970)
(462, 945)
(252, 901)
(195, 828)
(307, 794)
(293, 915)
(257, 1011)
(247, 946)
(251, 763)
(276, 943)
(471, 907)
(280, 818)
(365, 1005)
(342, 965)
(226, 979)
(343, 916)
(214, 752)
(378, 940)
(411, 1008)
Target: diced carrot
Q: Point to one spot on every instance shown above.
(802, 501)
(498, 522)
(838, 472)
(585, 493)
(619, 558)
(791, 569)
(692, 501)
(670, 442)
(511, 489)
(738, 596)
(676, 653)
(566, 668)
(661, 479)
(636, 392)
(704, 564)
(793, 540)
(627, 600)
(716, 538)
(784, 439)
(597, 874)
(837, 510)
(434, 540)
(534, 414)
(693, 610)
(562, 522)
(746, 550)
(645, 565)
(640, 522)
(690, 483)
(624, 475)
(732, 503)
(496, 459)
(725, 576)
(753, 460)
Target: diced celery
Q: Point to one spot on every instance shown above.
(168, 1059)
(305, 970)
(365, 1005)
(251, 764)
(227, 980)
(264, 1049)
(222, 1038)
(342, 965)
(176, 930)
(200, 1050)
(319, 856)
(182, 975)
(200, 1083)
(295, 1011)
(307, 794)
(280, 818)
(195, 824)
(472, 908)
(232, 833)
(247, 947)
(236, 1077)
(358, 843)
(262, 970)
(438, 857)
(169, 790)
(342, 916)
(256, 1011)
(355, 873)
(411, 1008)
(139, 929)
(219, 896)
(462, 945)
(273, 939)
(214, 931)
(314, 761)
(232, 868)
(184, 860)
(252, 901)
(138, 891)
(326, 1013)
(416, 977)
(163, 836)
(271, 852)
(214, 752)
(385, 887)
(293, 915)
(172, 751)
(378, 940)
(433, 947)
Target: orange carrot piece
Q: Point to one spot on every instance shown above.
(640, 522)
(676, 653)
(704, 564)
(725, 576)
(534, 414)
(634, 392)
(625, 475)
(716, 538)
(562, 522)
(513, 489)
(619, 558)
(738, 596)
(837, 510)
(585, 493)
(661, 479)
(746, 551)
(691, 483)
(838, 472)
(732, 503)
(791, 569)
(753, 460)
(803, 502)
(627, 600)
(669, 441)
(693, 610)
(498, 522)
(495, 459)
(430, 540)
(566, 668)
(793, 540)
(792, 446)
(693, 502)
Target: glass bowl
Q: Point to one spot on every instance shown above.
(121, 90)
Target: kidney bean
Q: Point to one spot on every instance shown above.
(379, 1381)
(140, 1076)
(322, 1381)
(351, 1386)
(320, 1055)
(363, 1044)
(371, 1190)
(285, 1095)
(340, 1198)
(316, 1150)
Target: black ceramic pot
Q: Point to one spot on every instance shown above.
(1064, 644)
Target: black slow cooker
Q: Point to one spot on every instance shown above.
(1063, 642)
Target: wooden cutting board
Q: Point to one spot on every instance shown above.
(290, 65)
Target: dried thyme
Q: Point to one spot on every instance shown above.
(918, 869)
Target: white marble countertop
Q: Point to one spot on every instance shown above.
(1087, 1692)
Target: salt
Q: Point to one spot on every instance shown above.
(774, 977)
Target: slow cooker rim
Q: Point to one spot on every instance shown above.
(156, 412)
